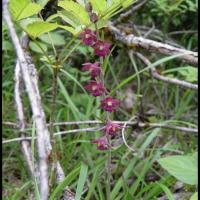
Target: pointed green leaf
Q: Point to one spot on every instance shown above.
(78, 10)
(99, 6)
(56, 38)
(81, 181)
(184, 168)
(68, 28)
(36, 29)
(21, 9)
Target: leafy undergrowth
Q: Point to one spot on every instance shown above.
(146, 176)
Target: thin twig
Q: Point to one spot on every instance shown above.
(126, 14)
(153, 46)
(125, 123)
(130, 123)
(155, 74)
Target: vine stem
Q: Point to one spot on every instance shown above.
(109, 156)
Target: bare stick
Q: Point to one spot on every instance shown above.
(125, 123)
(41, 128)
(153, 46)
(67, 194)
(130, 123)
(155, 74)
(25, 145)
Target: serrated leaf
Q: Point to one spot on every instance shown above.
(76, 9)
(21, 9)
(184, 168)
(36, 29)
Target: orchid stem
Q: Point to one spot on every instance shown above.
(109, 156)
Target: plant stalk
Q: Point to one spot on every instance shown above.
(51, 126)
(109, 156)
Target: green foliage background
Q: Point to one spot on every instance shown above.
(133, 178)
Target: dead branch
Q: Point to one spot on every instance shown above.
(41, 128)
(25, 145)
(125, 124)
(153, 46)
(175, 81)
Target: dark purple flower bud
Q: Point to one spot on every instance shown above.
(93, 17)
(94, 68)
(96, 88)
(111, 128)
(88, 7)
(109, 104)
(102, 143)
(101, 48)
(88, 37)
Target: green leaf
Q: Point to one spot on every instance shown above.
(69, 17)
(167, 191)
(42, 2)
(127, 3)
(76, 9)
(36, 29)
(54, 38)
(21, 9)
(34, 47)
(7, 46)
(184, 168)
(98, 6)
(68, 28)
(194, 196)
(67, 180)
(81, 181)
(190, 73)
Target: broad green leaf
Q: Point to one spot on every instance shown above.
(78, 10)
(184, 168)
(25, 22)
(127, 3)
(54, 38)
(81, 181)
(36, 29)
(21, 9)
(34, 47)
(42, 2)
(69, 17)
(68, 28)
(194, 196)
(99, 6)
